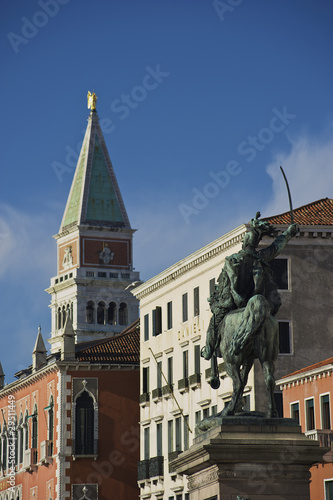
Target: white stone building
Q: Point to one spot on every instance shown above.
(174, 316)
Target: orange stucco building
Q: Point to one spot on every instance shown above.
(69, 424)
(307, 397)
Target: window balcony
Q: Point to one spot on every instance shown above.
(167, 391)
(30, 459)
(46, 451)
(143, 470)
(157, 394)
(324, 436)
(183, 385)
(156, 466)
(195, 380)
(144, 398)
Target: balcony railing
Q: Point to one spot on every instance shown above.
(157, 393)
(183, 384)
(167, 390)
(30, 458)
(324, 436)
(144, 397)
(46, 450)
(156, 466)
(194, 380)
(143, 470)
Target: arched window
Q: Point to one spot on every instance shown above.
(51, 425)
(63, 316)
(34, 434)
(26, 431)
(68, 311)
(112, 313)
(90, 312)
(84, 425)
(59, 318)
(123, 316)
(20, 439)
(14, 440)
(4, 447)
(101, 313)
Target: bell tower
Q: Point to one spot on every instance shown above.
(94, 249)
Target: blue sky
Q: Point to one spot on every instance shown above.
(200, 102)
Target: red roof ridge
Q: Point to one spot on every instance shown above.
(319, 212)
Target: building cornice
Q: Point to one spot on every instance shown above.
(63, 366)
(218, 246)
(305, 376)
(21, 383)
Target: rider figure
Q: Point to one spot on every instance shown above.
(245, 274)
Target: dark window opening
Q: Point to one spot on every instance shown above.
(84, 425)
(284, 337)
(211, 286)
(90, 312)
(294, 411)
(325, 411)
(170, 371)
(196, 301)
(123, 314)
(145, 380)
(146, 327)
(101, 313)
(185, 307)
(112, 314)
(310, 416)
(197, 359)
(185, 364)
(169, 314)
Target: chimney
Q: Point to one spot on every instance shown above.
(67, 349)
(39, 352)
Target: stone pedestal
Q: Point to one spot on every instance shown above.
(250, 458)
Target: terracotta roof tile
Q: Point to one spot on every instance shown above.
(328, 361)
(121, 349)
(318, 213)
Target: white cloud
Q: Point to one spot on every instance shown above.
(26, 244)
(308, 167)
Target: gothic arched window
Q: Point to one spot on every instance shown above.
(123, 315)
(84, 425)
(34, 434)
(112, 313)
(26, 431)
(63, 316)
(4, 448)
(51, 425)
(20, 439)
(90, 312)
(59, 318)
(68, 311)
(101, 313)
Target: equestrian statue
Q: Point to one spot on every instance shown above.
(244, 304)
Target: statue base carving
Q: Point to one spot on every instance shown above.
(249, 458)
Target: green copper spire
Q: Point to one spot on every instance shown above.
(94, 198)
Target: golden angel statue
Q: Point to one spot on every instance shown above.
(92, 98)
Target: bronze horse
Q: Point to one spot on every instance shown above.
(245, 335)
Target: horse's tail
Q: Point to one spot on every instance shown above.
(255, 313)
